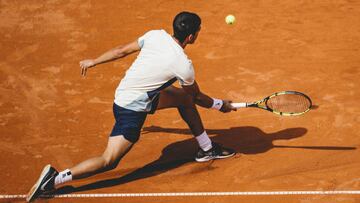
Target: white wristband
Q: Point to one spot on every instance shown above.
(218, 103)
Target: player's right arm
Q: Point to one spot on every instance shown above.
(204, 100)
(186, 76)
(113, 54)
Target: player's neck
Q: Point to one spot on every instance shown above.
(183, 45)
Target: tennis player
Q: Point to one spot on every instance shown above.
(147, 87)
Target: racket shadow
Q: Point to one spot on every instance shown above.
(246, 140)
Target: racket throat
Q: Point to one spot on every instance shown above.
(251, 105)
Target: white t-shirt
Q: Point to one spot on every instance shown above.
(161, 62)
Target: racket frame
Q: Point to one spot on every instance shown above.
(258, 103)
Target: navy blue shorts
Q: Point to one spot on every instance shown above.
(128, 123)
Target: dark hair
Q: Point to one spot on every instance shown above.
(185, 24)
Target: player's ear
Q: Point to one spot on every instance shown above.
(191, 37)
(188, 39)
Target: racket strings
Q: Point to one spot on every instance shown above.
(289, 103)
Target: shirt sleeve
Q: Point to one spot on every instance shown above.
(185, 74)
(141, 40)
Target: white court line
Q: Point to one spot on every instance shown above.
(189, 194)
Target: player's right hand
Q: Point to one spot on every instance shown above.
(227, 107)
(85, 64)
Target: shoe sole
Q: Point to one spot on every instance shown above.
(209, 158)
(32, 193)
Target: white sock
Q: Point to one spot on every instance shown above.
(204, 141)
(63, 177)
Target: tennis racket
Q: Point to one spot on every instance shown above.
(286, 103)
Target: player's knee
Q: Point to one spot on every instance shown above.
(109, 162)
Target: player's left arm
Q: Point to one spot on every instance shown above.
(111, 55)
(204, 100)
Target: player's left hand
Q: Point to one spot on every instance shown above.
(85, 64)
(227, 107)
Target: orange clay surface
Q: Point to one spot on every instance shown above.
(50, 114)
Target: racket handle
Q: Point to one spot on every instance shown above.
(239, 105)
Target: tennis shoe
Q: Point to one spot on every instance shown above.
(44, 184)
(216, 152)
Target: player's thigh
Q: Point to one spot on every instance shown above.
(173, 97)
(116, 148)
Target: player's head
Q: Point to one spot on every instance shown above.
(186, 25)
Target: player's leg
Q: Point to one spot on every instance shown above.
(116, 148)
(125, 133)
(173, 97)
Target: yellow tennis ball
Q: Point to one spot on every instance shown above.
(230, 19)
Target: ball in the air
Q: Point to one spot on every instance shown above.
(230, 19)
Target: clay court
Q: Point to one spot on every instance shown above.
(50, 114)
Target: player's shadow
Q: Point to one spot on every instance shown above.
(246, 140)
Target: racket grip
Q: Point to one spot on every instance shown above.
(239, 105)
